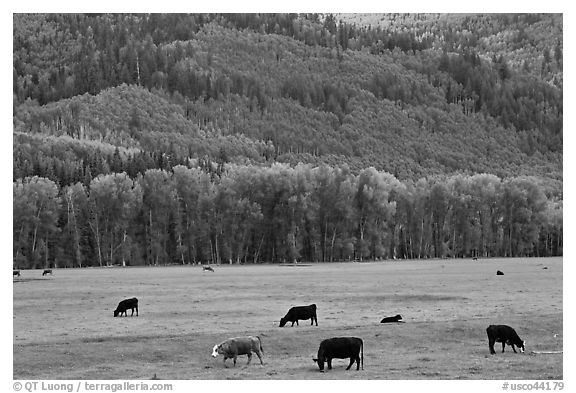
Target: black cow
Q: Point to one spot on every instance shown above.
(395, 318)
(300, 312)
(47, 271)
(125, 305)
(499, 273)
(207, 268)
(341, 348)
(506, 335)
(16, 273)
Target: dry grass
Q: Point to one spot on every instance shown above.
(64, 328)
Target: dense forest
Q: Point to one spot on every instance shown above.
(248, 138)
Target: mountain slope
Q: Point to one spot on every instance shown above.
(243, 89)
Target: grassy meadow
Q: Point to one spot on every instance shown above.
(64, 326)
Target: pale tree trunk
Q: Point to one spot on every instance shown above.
(96, 231)
(257, 254)
(72, 212)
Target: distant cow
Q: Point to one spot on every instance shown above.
(233, 347)
(125, 305)
(47, 271)
(16, 273)
(503, 334)
(300, 312)
(499, 273)
(395, 318)
(474, 258)
(207, 268)
(341, 348)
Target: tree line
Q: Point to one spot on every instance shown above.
(278, 214)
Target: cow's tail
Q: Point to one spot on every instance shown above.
(362, 353)
(260, 341)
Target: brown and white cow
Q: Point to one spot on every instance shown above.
(233, 347)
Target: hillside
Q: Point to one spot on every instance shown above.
(412, 113)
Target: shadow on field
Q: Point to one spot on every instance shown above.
(29, 279)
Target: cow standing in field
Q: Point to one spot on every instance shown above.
(341, 348)
(46, 271)
(207, 268)
(499, 273)
(395, 318)
(300, 312)
(233, 347)
(15, 273)
(125, 305)
(506, 335)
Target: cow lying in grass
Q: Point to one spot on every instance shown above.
(233, 347)
(506, 335)
(125, 305)
(207, 268)
(395, 318)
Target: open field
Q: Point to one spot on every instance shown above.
(64, 328)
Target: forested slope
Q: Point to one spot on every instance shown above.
(425, 99)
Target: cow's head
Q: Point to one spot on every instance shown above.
(320, 359)
(116, 312)
(523, 346)
(283, 321)
(222, 349)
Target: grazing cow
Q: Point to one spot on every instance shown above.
(341, 348)
(16, 273)
(47, 271)
(474, 258)
(300, 312)
(125, 305)
(499, 273)
(506, 335)
(395, 318)
(207, 268)
(233, 347)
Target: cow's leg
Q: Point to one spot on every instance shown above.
(136, 310)
(235, 357)
(297, 323)
(503, 344)
(329, 361)
(259, 354)
(352, 359)
(491, 346)
(514, 349)
(224, 361)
